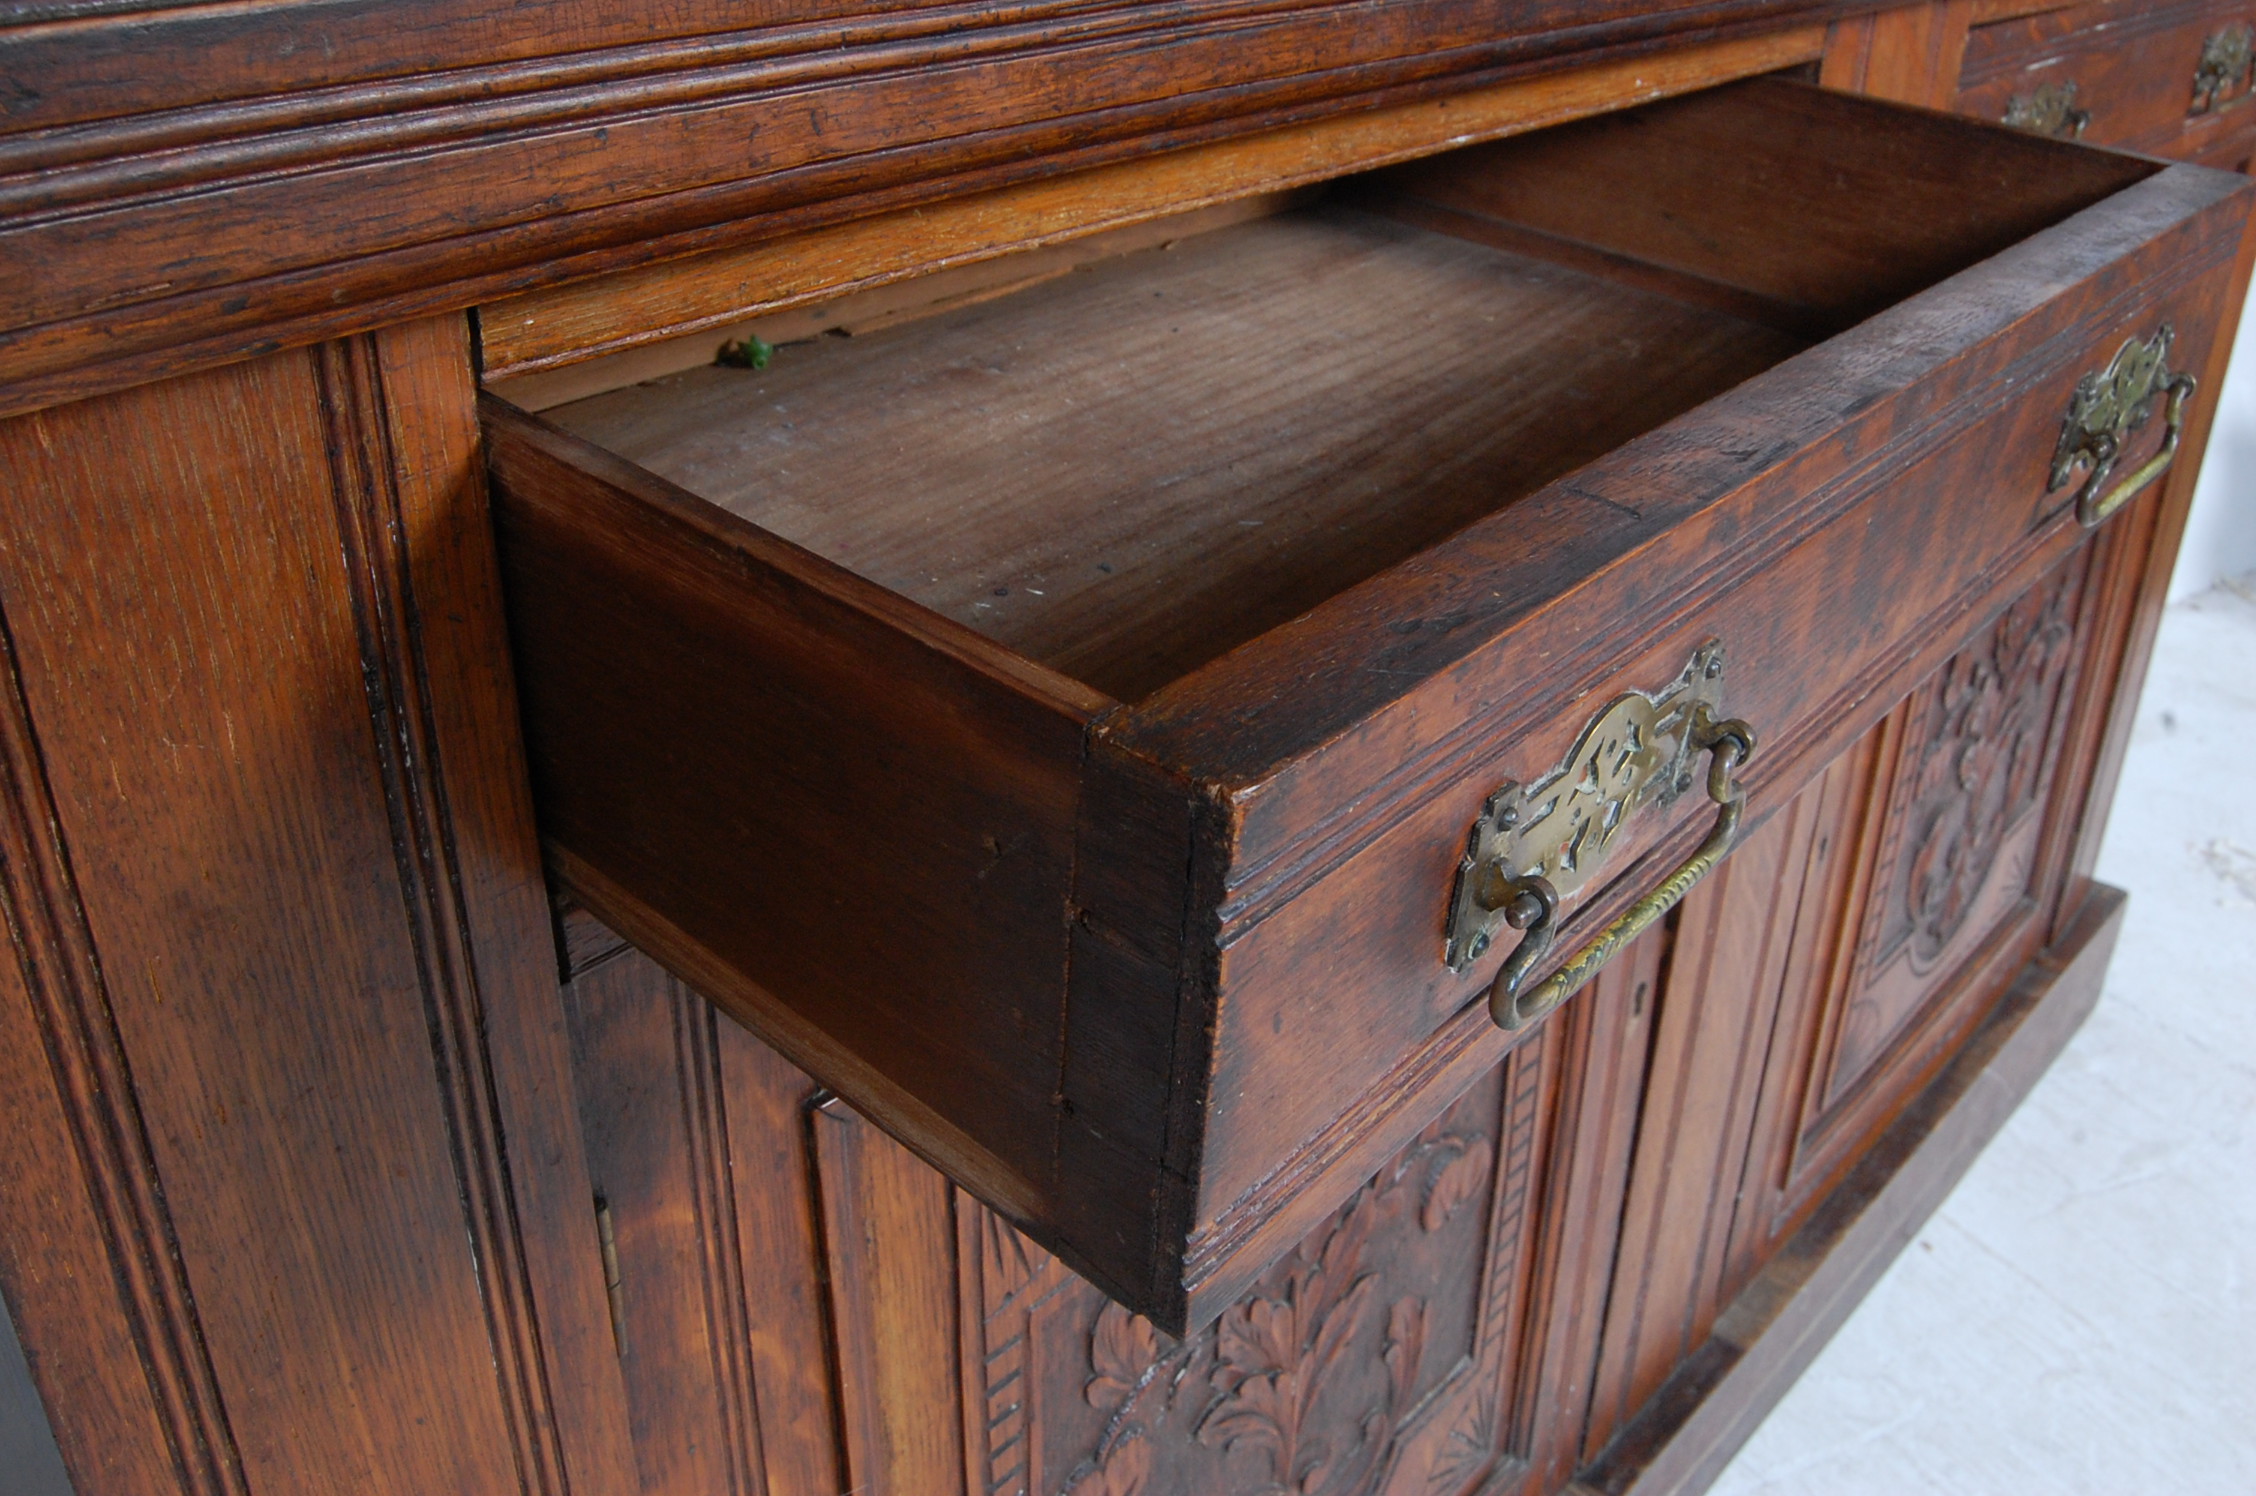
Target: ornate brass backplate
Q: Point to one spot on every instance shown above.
(2107, 407)
(2050, 110)
(1637, 752)
(2228, 58)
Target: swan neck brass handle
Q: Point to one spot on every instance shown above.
(1532, 905)
(2094, 509)
(2107, 407)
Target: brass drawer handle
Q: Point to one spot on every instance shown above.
(2107, 407)
(2227, 59)
(1535, 845)
(1534, 906)
(2050, 110)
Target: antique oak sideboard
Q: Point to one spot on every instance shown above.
(1351, 745)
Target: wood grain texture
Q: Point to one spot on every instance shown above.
(306, 1154)
(1356, 1364)
(970, 752)
(1986, 11)
(154, 228)
(1065, 1391)
(1268, 941)
(1717, 1009)
(1503, 568)
(97, 1286)
(544, 328)
(1395, 1348)
(1972, 769)
(889, 1236)
(1909, 54)
(487, 891)
(1802, 200)
(1125, 472)
(1777, 1325)
(2140, 590)
(705, 1175)
(624, 359)
(777, 1227)
(655, 1109)
(1824, 910)
(1952, 879)
(1602, 1043)
(251, 616)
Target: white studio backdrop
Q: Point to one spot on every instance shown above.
(2220, 538)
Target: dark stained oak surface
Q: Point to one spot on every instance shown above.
(2132, 64)
(284, 1200)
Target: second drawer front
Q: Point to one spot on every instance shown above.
(2171, 80)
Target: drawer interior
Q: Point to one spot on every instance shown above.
(1124, 471)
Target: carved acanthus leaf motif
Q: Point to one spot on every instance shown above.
(1276, 1357)
(1458, 1175)
(1123, 1348)
(1267, 1383)
(1405, 1345)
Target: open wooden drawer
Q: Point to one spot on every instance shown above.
(1059, 723)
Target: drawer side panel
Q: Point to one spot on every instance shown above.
(854, 839)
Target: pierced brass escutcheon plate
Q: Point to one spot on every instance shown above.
(1639, 751)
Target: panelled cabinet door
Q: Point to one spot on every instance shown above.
(1818, 982)
(780, 1268)
(1955, 858)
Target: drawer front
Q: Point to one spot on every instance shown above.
(2172, 79)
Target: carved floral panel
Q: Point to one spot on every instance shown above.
(1372, 1359)
(1983, 730)
(1960, 836)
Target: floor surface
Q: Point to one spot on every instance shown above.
(2080, 1316)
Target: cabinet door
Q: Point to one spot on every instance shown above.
(803, 1306)
(1957, 864)
(1748, 943)
(1822, 977)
